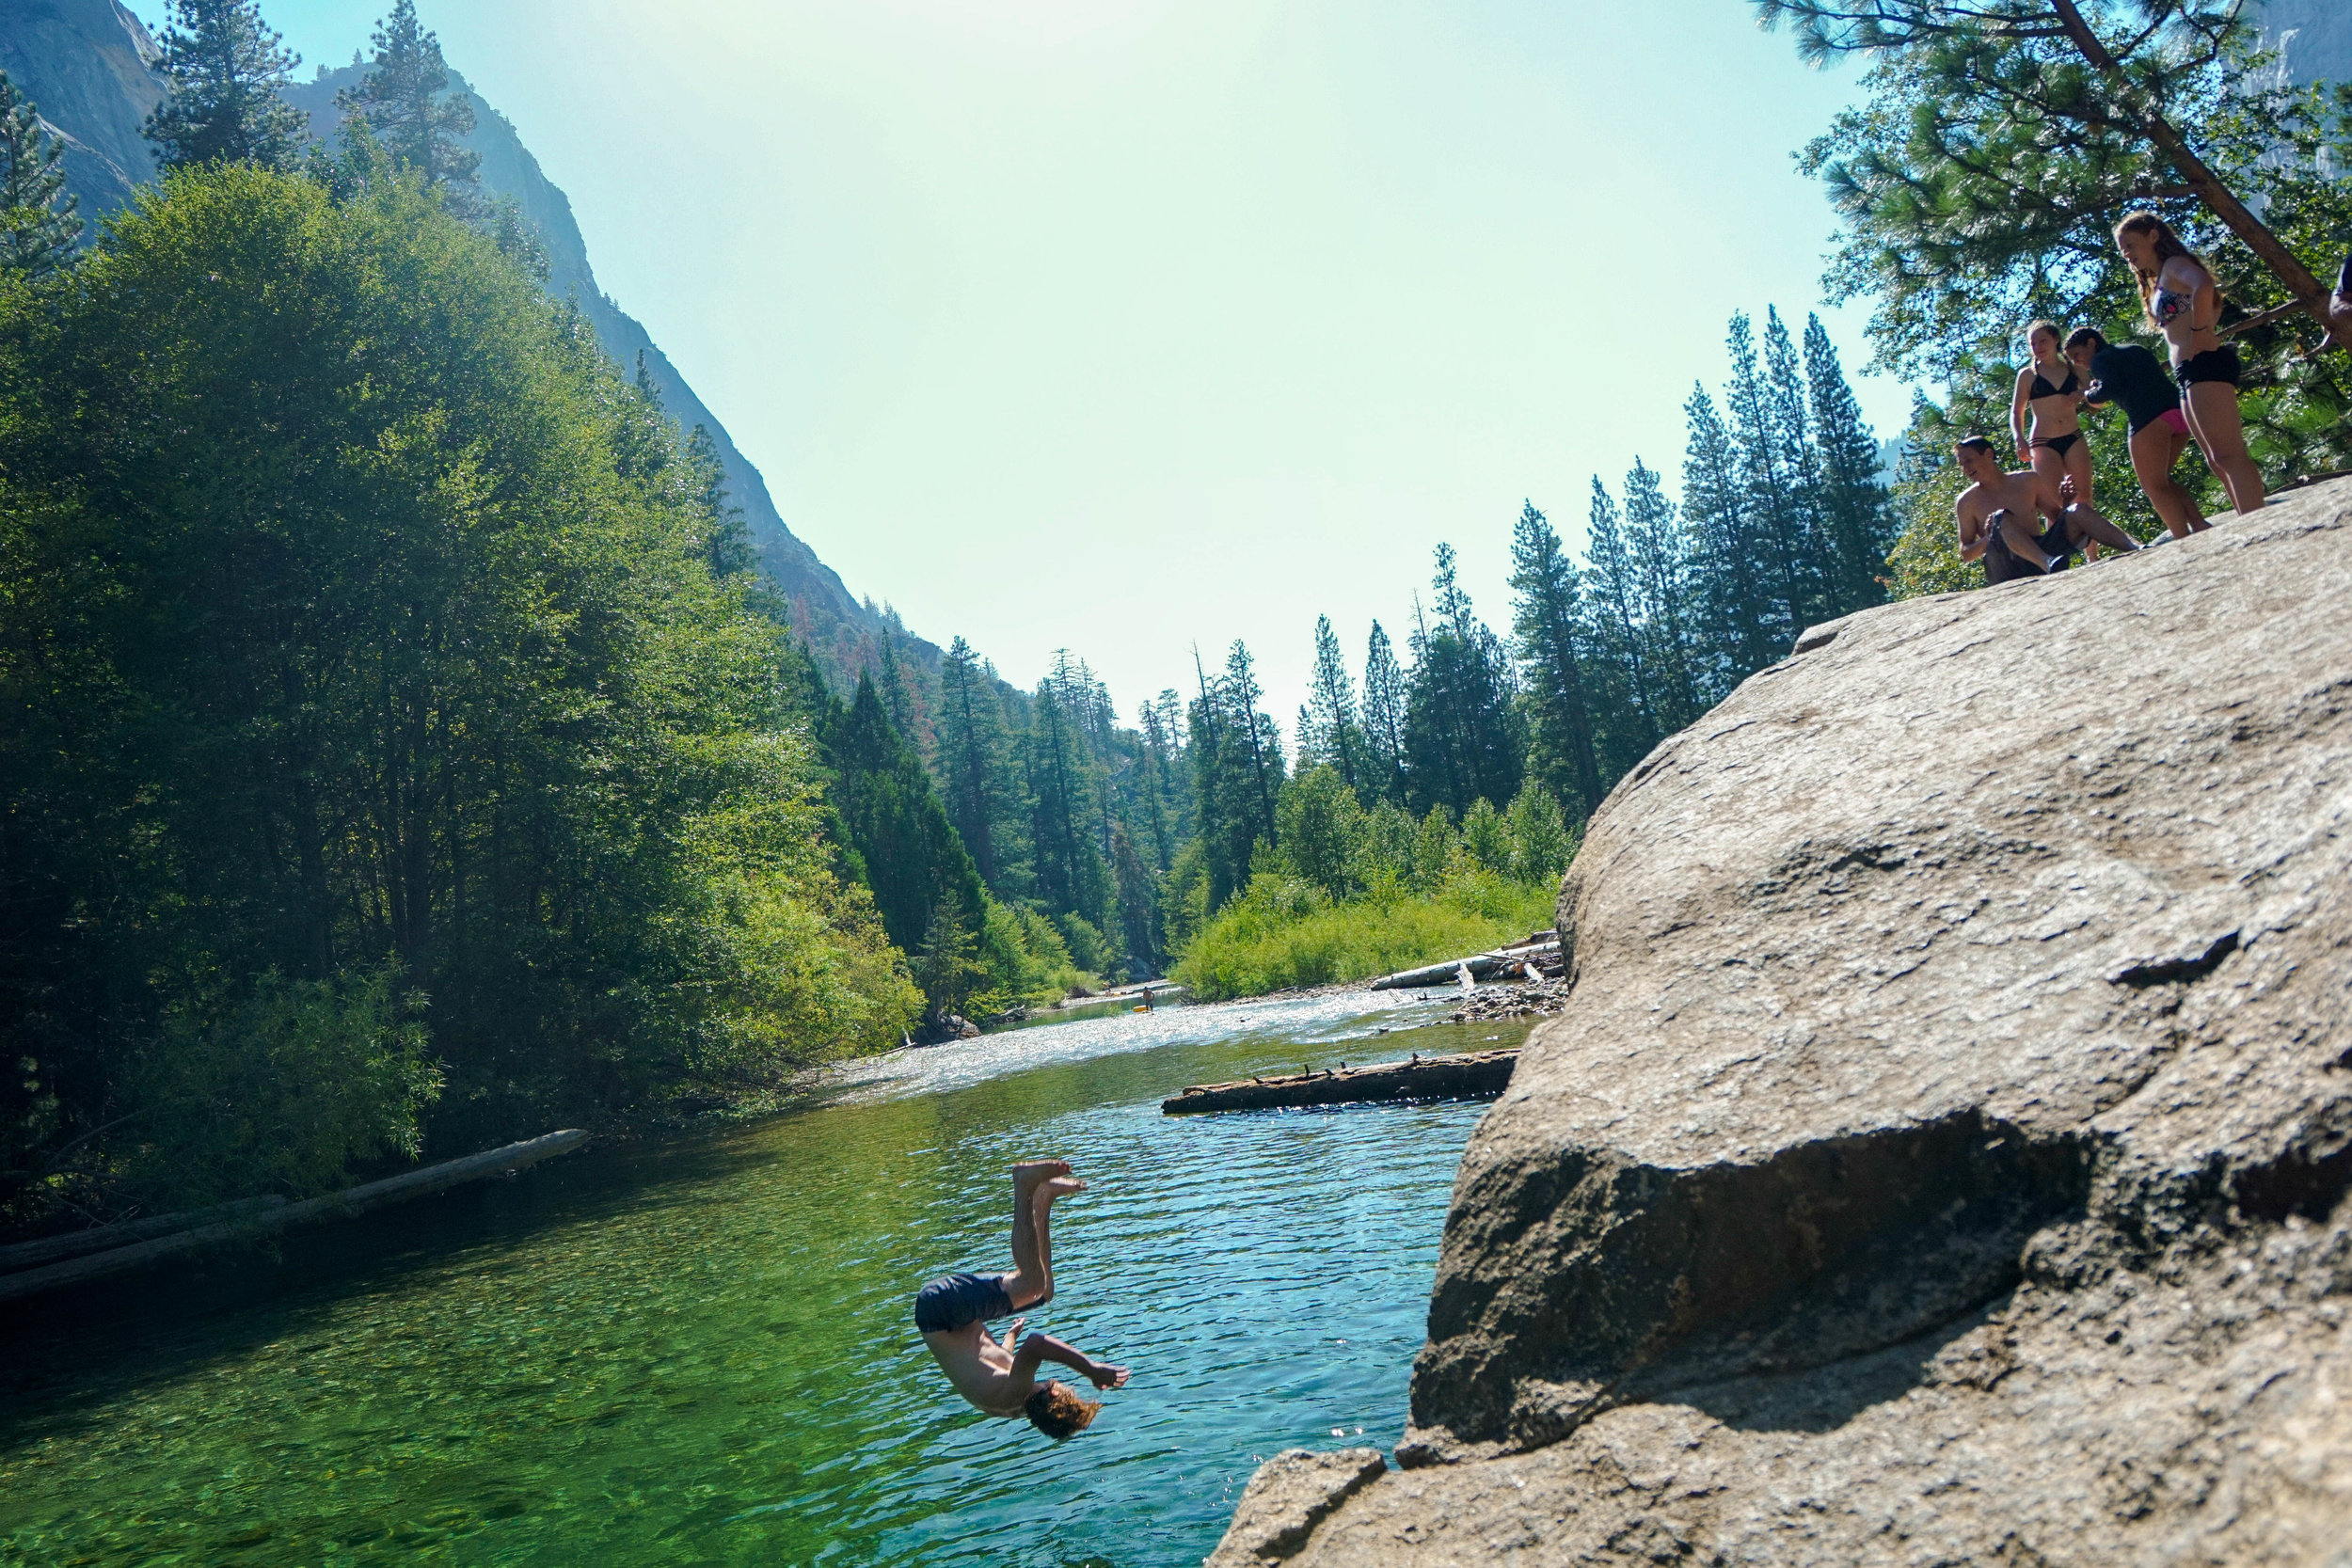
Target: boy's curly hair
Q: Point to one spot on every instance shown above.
(1057, 1411)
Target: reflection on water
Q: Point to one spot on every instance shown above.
(703, 1351)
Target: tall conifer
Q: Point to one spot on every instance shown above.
(1551, 651)
(222, 69)
(402, 101)
(1339, 738)
(1384, 713)
(38, 225)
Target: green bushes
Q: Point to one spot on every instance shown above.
(1352, 892)
(1285, 931)
(364, 635)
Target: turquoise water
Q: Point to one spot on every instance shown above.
(702, 1351)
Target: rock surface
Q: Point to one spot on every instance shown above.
(1939, 1159)
(1288, 1496)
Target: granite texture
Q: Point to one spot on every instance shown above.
(1939, 1158)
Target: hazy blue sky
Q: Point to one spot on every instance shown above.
(1122, 323)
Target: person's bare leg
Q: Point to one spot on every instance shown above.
(2154, 450)
(2083, 523)
(1035, 1185)
(2212, 409)
(2021, 543)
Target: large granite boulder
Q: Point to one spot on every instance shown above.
(1939, 1160)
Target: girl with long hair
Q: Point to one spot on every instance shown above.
(2050, 391)
(2181, 300)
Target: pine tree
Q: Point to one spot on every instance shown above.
(972, 756)
(1661, 557)
(1546, 619)
(1740, 633)
(1796, 468)
(1257, 731)
(401, 103)
(1384, 714)
(1779, 529)
(38, 225)
(222, 69)
(1858, 516)
(1339, 738)
(731, 551)
(1628, 718)
(1462, 726)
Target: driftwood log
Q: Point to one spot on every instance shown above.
(98, 1238)
(260, 1221)
(1543, 955)
(1478, 1075)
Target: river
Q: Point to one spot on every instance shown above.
(701, 1350)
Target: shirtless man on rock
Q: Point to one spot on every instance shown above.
(1997, 512)
(1000, 1378)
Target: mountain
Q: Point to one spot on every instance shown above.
(2315, 37)
(88, 67)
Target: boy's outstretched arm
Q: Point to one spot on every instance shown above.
(1045, 1347)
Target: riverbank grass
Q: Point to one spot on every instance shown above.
(1286, 931)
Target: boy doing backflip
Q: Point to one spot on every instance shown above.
(953, 1311)
(1996, 515)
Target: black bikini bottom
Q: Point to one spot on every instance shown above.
(2058, 443)
(2215, 364)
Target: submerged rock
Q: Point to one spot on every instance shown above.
(1940, 1158)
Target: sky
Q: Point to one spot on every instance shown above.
(1128, 325)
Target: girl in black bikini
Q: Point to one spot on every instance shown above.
(2177, 292)
(2053, 392)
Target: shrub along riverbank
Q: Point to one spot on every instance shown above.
(1352, 892)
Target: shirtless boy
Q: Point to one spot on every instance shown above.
(1001, 1380)
(1994, 515)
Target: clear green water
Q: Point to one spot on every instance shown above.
(702, 1352)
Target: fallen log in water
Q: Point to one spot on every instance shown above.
(25, 1255)
(262, 1221)
(1477, 1075)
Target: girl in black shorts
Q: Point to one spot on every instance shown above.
(2051, 389)
(2177, 292)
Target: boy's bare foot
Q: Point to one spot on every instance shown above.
(1028, 1175)
(1062, 1186)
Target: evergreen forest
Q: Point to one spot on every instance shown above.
(400, 751)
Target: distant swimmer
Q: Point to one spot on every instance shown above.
(2177, 292)
(1995, 516)
(2050, 394)
(2133, 379)
(1001, 1378)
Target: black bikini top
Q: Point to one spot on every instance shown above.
(2042, 389)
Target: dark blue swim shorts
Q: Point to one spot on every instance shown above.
(954, 1300)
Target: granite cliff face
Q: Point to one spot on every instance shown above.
(1939, 1159)
(87, 65)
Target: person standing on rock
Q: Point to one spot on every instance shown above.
(2178, 293)
(2049, 394)
(1000, 1378)
(2129, 376)
(1996, 518)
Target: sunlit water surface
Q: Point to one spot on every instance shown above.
(703, 1351)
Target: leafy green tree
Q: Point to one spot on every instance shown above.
(404, 101)
(38, 225)
(1542, 842)
(1322, 824)
(343, 626)
(222, 69)
(1552, 649)
(1487, 837)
